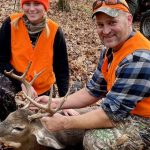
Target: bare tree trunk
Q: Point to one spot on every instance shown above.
(17, 5)
(64, 5)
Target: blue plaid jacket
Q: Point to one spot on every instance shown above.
(132, 84)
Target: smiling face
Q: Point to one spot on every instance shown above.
(114, 31)
(34, 11)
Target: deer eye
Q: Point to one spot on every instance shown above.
(17, 129)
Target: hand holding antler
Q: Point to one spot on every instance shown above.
(47, 108)
(32, 91)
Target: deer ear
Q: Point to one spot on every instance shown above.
(45, 138)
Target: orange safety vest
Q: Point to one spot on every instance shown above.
(41, 55)
(143, 107)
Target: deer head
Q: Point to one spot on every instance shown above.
(17, 132)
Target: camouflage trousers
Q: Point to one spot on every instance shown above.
(133, 134)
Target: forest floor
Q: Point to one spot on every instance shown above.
(82, 40)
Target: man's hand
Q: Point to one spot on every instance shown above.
(44, 101)
(54, 123)
(32, 90)
(55, 103)
(70, 112)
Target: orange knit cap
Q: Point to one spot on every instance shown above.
(44, 2)
(110, 7)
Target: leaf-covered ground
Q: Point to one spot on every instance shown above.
(79, 29)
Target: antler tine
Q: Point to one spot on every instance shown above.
(62, 102)
(11, 74)
(26, 71)
(24, 81)
(50, 101)
(36, 75)
(35, 103)
(48, 107)
(17, 77)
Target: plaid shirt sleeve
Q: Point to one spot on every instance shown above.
(97, 85)
(132, 85)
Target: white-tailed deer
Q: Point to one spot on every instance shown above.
(17, 132)
(21, 130)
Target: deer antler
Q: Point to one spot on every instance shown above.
(22, 77)
(47, 108)
(23, 80)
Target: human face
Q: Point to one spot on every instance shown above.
(114, 31)
(34, 11)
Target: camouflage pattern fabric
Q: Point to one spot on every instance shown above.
(133, 134)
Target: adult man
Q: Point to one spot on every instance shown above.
(122, 80)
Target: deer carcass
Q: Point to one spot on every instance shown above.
(19, 132)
